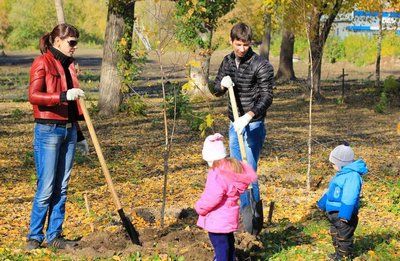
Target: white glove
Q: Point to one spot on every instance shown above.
(241, 123)
(227, 82)
(83, 147)
(75, 93)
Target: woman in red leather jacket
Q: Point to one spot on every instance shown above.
(53, 91)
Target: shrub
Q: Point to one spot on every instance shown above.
(394, 195)
(334, 49)
(275, 47)
(391, 45)
(134, 105)
(28, 159)
(207, 123)
(196, 120)
(29, 20)
(182, 105)
(17, 114)
(383, 103)
(391, 86)
(301, 47)
(5, 6)
(93, 108)
(390, 91)
(360, 49)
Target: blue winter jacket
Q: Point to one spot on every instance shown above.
(344, 190)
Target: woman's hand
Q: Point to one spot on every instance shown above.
(75, 93)
(83, 147)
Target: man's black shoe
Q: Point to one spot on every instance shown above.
(32, 244)
(61, 243)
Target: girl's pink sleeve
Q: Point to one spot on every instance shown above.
(212, 194)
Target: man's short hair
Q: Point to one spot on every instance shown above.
(241, 32)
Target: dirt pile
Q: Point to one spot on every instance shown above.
(182, 238)
(154, 241)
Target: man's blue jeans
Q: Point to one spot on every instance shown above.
(54, 150)
(253, 136)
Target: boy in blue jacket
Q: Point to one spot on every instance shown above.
(341, 201)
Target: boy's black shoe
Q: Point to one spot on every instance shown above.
(61, 243)
(32, 244)
(335, 257)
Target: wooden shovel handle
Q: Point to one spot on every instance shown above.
(235, 117)
(99, 153)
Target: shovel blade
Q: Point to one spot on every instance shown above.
(252, 214)
(130, 229)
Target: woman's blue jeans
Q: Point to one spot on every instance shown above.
(253, 136)
(54, 150)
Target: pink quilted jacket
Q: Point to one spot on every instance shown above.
(218, 207)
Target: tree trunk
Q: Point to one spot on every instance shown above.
(316, 47)
(200, 68)
(379, 51)
(110, 80)
(60, 11)
(266, 43)
(199, 74)
(317, 38)
(285, 70)
(316, 64)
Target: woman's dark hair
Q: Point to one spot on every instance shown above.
(241, 32)
(62, 30)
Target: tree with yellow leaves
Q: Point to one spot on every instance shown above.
(316, 19)
(120, 20)
(196, 23)
(281, 13)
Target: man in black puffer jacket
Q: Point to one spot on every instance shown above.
(252, 79)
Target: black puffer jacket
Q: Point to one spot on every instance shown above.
(254, 80)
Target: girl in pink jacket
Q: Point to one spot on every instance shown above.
(218, 207)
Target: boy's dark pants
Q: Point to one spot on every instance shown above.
(224, 246)
(342, 233)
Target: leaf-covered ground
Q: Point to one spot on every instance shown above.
(133, 147)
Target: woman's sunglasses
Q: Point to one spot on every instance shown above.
(72, 43)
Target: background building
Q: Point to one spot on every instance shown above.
(365, 22)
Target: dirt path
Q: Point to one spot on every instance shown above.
(175, 62)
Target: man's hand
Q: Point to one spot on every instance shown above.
(227, 82)
(242, 122)
(83, 147)
(75, 93)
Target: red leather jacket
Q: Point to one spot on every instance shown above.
(47, 81)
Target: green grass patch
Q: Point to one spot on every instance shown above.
(310, 240)
(378, 243)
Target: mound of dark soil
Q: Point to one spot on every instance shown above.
(182, 238)
(180, 241)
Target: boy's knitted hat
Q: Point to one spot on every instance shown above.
(342, 155)
(214, 148)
